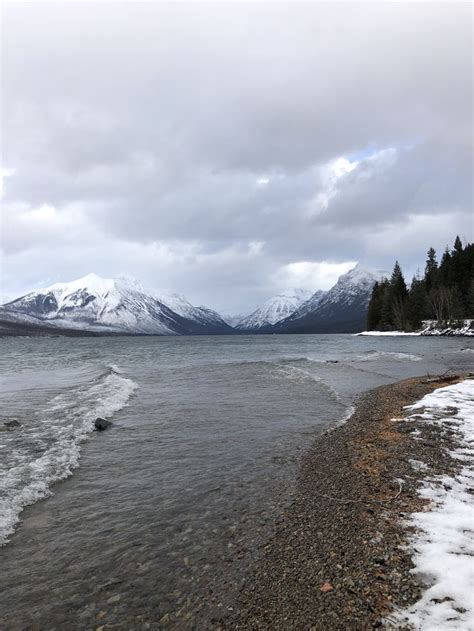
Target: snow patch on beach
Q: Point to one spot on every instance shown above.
(430, 327)
(385, 333)
(443, 544)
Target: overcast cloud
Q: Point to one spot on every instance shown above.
(228, 151)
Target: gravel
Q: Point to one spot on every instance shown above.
(337, 558)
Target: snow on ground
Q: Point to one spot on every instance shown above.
(385, 333)
(430, 327)
(443, 544)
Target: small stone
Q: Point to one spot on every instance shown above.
(101, 423)
(326, 587)
(379, 560)
(114, 599)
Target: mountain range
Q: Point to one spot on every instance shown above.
(110, 306)
(99, 306)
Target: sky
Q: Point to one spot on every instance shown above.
(230, 151)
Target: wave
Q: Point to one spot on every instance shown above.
(56, 432)
(374, 355)
(295, 373)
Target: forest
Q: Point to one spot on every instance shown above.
(444, 293)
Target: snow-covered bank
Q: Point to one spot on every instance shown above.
(443, 544)
(430, 327)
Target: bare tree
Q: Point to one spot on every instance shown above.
(437, 302)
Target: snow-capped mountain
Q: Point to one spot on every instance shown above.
(110, 305)
(342, 309)
(180, 305)
(273, 310)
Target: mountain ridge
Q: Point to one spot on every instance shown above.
(99, 306)
(121, 305)
(273, 310)
(342, 309)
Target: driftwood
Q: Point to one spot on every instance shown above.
(444, 378)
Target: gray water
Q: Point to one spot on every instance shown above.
(154, 521)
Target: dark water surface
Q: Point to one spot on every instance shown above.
(163, 511)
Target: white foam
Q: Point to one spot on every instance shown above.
(64, 424)
(443, 544)
(374, 355)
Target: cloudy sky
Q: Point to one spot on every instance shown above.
(228, 151)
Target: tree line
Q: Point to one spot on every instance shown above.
(444, 293)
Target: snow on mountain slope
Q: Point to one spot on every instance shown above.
(119, 305)
(273, 310)
(342, 309)
(357, 281)
(311, 303)
(179, 304)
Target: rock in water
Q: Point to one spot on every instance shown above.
(12, 424)
(101, 424)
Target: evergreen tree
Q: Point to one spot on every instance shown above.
(458, 249)
(374, 311)
(470, 301)
(417, 304)
(386, 321)
(431, 270)
(445, 272)
(446, 292)
(397, 283)
(398, 296)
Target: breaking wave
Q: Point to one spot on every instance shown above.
(374, 355)
(46, 448)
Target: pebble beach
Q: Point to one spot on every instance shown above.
(339, 557)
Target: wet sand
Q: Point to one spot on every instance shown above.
(336, 558)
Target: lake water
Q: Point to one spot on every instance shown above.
(153, 522)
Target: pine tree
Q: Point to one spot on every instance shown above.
(397, 283)
(417, 304)
(374, 311)
(458, 249)
(445, 271)
(470, 301)
(431, 270)
(446, 292)
(386, 317)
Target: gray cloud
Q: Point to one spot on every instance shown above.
(197, 146)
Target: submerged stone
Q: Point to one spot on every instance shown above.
(101, 424)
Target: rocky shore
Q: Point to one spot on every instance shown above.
(338, 558)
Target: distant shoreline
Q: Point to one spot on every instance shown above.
(336, 559)
(430, 328)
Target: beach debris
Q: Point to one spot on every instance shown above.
(326, 587)
(101, 424)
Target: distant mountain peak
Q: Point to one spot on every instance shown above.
(276, 308)
(341, 309)
(115, 305)
(360, 273)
